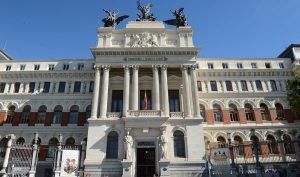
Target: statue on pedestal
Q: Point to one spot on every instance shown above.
(163, 144)
(128, 141)
(111, 20)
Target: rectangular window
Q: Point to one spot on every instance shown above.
(46, 87)
(273, 85)
(228, 86)
(91, 89)
(268, 65)
(31, 87)
(199, 86)
(244, 85)
(77, 86)
(213, 86)
(145, 100)
(174, 101)
(80, 66)
(2, 87)
(8, 67)
(239, 65)
(36, 67)
(117, 101)
(17, 87)
(22, 67)
(258, 85)
(253, 65)
(61, 87)
(210, 65)
(66, 66)
(51, 67)
(225, 65)
(281, 65)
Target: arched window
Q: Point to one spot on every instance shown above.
(240, 147)
(20, 140)
(88, 112)
(264, 111)
(249, 112)
(202, 112)
(217, 113)
(53, 142)
(179, 144)
(10, 114)
(234, 114)
(112, 145)
(25, 114)
(272, 144)
(3, 144)
(57, 116)
(42, 114)
(70, 142)
(222, 142)
(288, 144)
(279, 111)
(74, 114)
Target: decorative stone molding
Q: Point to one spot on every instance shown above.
(145, 113)
(143, 40)
(176, 114)
(113, 114)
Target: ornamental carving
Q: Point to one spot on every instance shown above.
(143, 40)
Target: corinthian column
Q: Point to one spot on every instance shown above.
(155, 88)
(126, 90)
(104, 92)
(96, 93)
(165, 91)
(195, 92)
(135, 88)
(186, 90)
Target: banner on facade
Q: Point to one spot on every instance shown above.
(69, 163)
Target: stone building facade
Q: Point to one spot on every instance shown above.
(146, 99)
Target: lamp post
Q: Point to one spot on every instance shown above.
(231, 150)
(255, 149)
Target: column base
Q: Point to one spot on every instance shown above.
(164, 167)
(127, 168)
(56, 173)
(31, 173)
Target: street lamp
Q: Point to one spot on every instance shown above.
(230, 150)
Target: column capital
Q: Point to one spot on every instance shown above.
(164, 67)
(185, 67)
(194, 67)
(155, 67)
(135, 67)
(97, 68)
(126, 67)
(106, 67)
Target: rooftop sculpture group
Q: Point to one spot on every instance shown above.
(111, 20)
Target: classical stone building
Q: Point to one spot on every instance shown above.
(146, 104)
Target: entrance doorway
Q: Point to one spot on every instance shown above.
(145, 162)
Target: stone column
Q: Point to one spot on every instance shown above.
(7, 88)
(58, 156)
(82, 158)
(155, 88)
(187, 103)
(96, 93)
(295, 141)
(34, 156)
(195, 92)
(165, 91)
(104, 92)
(126, 90)
(21, 90)
(10, 138)
(279, 134)
(135, 88)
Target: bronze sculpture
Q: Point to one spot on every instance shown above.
(145, 12)
(180, 18)
(111, 20)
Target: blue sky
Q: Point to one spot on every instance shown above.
(57, 29)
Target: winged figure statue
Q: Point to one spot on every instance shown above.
(145, 14)
(112, 20)
(180, 18)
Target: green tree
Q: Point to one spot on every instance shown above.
(293, 93)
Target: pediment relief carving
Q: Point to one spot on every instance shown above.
(143, 40)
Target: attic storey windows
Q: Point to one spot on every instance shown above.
(210, 65)
(51, 67)
(8, 67)
(66, 66)
(36, 67)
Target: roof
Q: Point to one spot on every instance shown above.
(4, 56)
(288, 52)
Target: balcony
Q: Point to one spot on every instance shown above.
(144, 113)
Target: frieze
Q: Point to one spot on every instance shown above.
(145, 59)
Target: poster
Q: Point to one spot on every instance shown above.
(69, 163)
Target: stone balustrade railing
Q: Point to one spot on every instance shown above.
(144, 113)
(176, 114)
(113, 115)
